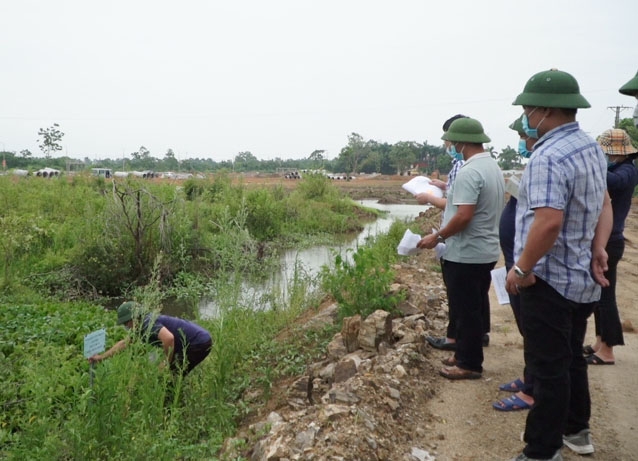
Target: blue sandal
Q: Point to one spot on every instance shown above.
(512, 403)
(512, 386)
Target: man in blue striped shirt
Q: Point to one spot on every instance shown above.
(560, 201)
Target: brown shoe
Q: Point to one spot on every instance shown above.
(449, 362)
(459, 373)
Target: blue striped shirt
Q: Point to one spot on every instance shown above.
(567, 172)
(451, 177)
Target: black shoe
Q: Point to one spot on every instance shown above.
(440, 343)
(486, 340)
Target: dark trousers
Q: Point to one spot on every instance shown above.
(452, 324)
(606, 316)
(468, 288)
(194, 355)
(515, 302)
(554, 331)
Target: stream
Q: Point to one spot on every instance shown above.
(309, 261)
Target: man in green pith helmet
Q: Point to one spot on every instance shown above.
(559, 257)
(631, 89)
(185, 343)
(470, 231)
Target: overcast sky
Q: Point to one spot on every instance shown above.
(281, 78)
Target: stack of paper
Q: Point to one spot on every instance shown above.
(420, 184)
(407, 245)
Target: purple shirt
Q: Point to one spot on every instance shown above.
(186, 333)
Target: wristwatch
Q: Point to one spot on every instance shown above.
(520, 273)
(439, 238)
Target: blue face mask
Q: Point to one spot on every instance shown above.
(451, 151)
(522, 149)
(531, 132)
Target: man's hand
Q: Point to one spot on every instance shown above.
(513, 282)
(599, 266)
(438, 183)
(429, 241)
(95, 359)
(423, 198)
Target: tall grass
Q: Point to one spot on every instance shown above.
(133, 409)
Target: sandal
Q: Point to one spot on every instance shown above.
(588, 350)
(512, 403)
(595, 360)
(459, 373)
(512, 386)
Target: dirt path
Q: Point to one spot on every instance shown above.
(459, 423)
(471, 430)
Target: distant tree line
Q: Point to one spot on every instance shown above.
(358, 156)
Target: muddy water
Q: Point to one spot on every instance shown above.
(309, 261)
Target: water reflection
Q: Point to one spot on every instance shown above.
(309, 261)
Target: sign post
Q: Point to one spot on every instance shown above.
(94, 343)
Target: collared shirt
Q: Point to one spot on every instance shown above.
(451, 177)
(567, 172)
(479, 182)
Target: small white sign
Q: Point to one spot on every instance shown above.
(94, 343)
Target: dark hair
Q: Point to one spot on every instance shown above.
(448, 122)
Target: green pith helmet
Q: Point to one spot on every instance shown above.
(517, 125)
(125, 312)
(552, 88)
(466, 130)
(631, 87)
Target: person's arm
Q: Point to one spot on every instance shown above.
(424, 198)
(460, 220)
(440, 184)
(117, 347)
(168, 343)
(601, 236)
(541, 238)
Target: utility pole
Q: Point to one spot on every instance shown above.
(617, 109)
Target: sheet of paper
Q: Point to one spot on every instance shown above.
(498, 281)
(511, 185)
(420, 184)
(407, 245)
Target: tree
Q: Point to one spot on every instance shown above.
(627, 124)
(403, 154)
(50, 140)
(26, 153)
(354, 153)
(170, 162)
(509, 159)
(246, 161)
(317, 156)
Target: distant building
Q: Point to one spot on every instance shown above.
(102, 172)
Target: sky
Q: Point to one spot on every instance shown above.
(283, 78)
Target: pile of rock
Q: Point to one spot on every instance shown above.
(366, 399)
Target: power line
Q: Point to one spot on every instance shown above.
(617, 109)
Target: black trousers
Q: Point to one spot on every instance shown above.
(554, 331)
(194, 355)
(515, 302)
(606, 316)
(452, 324)
(468, 288)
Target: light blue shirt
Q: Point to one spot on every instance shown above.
(567, 172)
(479, 182)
